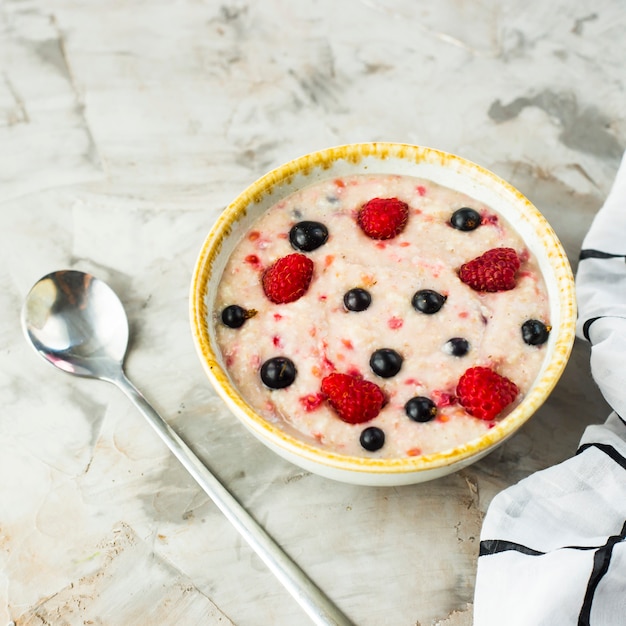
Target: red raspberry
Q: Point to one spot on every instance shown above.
(495, 270)
(383, 218)
(484, 393)
(354, 399)
(288, 278)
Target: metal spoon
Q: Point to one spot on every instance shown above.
(76, 322)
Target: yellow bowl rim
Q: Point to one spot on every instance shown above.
(295, 447)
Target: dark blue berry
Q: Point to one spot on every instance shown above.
(308, 236)
(457, 346)
(420, 409)
(234, 315)
(386, 362)
(535, 333)
(428, 301)
(372, 438)
(465, 219)
(278, 372)
(357, 299)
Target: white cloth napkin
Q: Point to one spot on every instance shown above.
(553, 547)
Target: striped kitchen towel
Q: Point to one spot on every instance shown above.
(553, 546)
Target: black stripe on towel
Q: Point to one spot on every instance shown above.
(591, 320)
(494, 546)
(586, 326)
(589, 253)
(601, 562)
(607, 449)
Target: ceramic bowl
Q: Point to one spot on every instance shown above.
(442, 168)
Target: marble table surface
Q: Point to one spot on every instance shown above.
(125, 128)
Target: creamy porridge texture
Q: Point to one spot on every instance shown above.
(382, 315)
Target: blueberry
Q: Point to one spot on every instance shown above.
(386, 362)
(372, 438)
(465, 219)
(357, 299)
(428, 301)
(234, 315)
(420, 409)
(278, 372)
(535, 333)
(308, 236)
(457, 346)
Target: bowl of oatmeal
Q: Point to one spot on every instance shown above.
(382, 314)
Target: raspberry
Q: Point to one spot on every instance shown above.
(495, 270)
(288, 278)
(484, 393)
(354, 399)
(383, 218)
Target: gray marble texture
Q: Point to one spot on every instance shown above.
(125, 128)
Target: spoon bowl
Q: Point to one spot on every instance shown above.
(76, 322)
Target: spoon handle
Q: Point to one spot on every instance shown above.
(316, 605)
